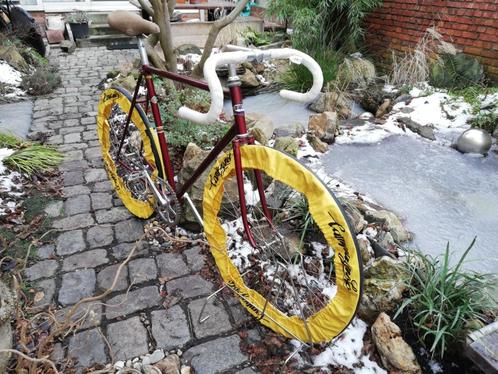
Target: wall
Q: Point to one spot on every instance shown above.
(472, 26)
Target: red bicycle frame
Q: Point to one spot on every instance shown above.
(237, 134)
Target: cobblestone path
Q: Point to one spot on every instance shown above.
(97, 233)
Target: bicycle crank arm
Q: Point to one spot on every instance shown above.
(159, 197)
(194, 209)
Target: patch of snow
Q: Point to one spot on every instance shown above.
(4, 152)
(435, 367)
(9, 184)
(9, 75)
(447, 116)
(346, 350)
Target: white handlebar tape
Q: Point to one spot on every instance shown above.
(235, 57)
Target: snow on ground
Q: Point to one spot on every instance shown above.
(9, 75)
(347, 350)
(448, 116)
(11, 79)
(10, 188)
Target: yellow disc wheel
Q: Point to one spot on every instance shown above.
(137, 155)
(304, 277)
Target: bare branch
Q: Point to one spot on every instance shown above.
(31, 359)
(146, 6)
(213, 35)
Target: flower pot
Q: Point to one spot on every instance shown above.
(79, 30)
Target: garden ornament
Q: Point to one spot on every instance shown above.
(474, 141)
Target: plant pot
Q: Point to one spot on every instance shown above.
(79, 30)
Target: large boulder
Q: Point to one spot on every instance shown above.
(287, 144)
(316, 143)
(324, 126)
(332, 102)
(192, 158)
(391, 222)
(396, 355)
(354, 215)
(355, 70)
(384, 283)
(260, 126)
(186, 49)
(249, 79)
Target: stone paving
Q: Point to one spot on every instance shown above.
(97, 233)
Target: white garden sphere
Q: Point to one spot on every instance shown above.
(474, 141)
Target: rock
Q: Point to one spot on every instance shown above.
(287, 144)
(386, 240)
(249, 80)
(128, 82)
(186, 49)
(13, 58)
(365, 249)
(396, 355)
(332, 102)
(324, 126)
(295, 130)
(374, 95)
(356, 70)
(424, 131)
(402, 98)
(355, 217)
(169, 365)
(68, 46)
(383, 108)
(156, 356)
(391, 222)
(149, 369)
(316, 143)
(495, 133)
(260, 122)
(259, 135)
(383, 287)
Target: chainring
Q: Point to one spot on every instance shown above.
(171, 211)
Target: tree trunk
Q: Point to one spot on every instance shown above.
(213, 34)
(161, 17)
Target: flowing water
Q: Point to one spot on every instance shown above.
(442, 195)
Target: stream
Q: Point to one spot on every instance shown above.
(442, 195)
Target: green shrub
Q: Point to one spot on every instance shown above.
(455, 71)
(444, 299)
(9, 141)
(319, 24)
(299, 78)
(179, 131)
(474, 95)
(42, 81)
(486, 121)
(33, 158)
(32, 57)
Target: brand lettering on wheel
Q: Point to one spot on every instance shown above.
(243, 297)
(215, 177)
(338, 230)
(110, 96)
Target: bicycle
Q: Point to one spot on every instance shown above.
(279, 237)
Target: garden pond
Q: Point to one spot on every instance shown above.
(442, 195)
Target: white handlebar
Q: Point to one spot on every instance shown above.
(216, 90)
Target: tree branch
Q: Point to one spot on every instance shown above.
(165, 38)
(147, 8)
(213, 35)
